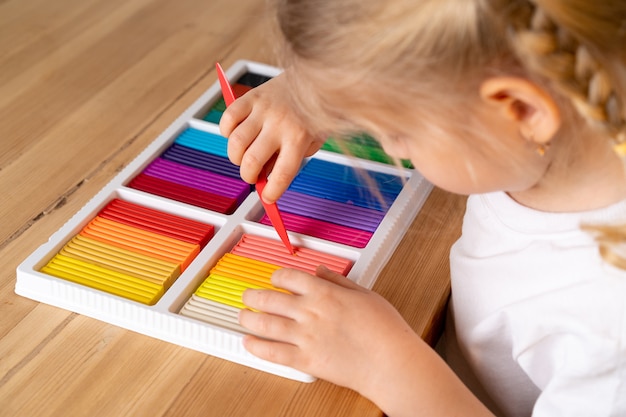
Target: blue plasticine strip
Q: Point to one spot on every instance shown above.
(203, 160)
(204, 141)
(385, 182)
(343, 193)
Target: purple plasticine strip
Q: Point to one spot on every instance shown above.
(331, 211)
(200, 182)
(324, 230)
(198, 178)
(201, 160)
(341, 192)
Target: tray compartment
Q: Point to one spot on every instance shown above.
(333, 201)
(244, 83)
(130, 251)
(250, 264)
(195, 170)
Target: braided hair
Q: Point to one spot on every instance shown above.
(577, 60)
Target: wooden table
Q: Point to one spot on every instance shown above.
(85, 85)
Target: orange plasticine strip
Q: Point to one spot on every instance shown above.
(141, 241)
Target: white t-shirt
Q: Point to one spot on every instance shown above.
(540, 318)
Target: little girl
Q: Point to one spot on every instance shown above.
(519, 104)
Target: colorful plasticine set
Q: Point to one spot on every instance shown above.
(167, 248)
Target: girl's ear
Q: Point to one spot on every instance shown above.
(523, 102)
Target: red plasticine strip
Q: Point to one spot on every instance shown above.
(159, 222)
(179, 192)
(271, 209)
(240, 89)
(198, 178)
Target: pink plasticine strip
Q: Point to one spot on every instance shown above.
(324, 230)
(265, 249)
(271, 209)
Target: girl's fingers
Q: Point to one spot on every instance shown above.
(298, 282)
(268, 326)
(284, 171)
(281, 353)
(331, 276)
(241, 138)
(231, 118)
(269, 301)
(294, 281)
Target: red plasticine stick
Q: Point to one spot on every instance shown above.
(271, 209)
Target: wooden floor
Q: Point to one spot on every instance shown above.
(85, 86)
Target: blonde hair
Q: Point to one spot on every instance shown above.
(429, 54)
(438, 50)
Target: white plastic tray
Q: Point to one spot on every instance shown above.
(162, 320)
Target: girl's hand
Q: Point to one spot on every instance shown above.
(329, 327)
(336, 330)
(261, 124)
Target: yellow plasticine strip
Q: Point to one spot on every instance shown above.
(249, 263)
(245, 269)
(102, 279)
(225, 288)
(142, 261)
(116, 279)
(238, 286)
(249, 281)
(226, 285)
(93, 274)
(210, 292)
(258, 277)
(261, 281)
(141, 241)
(122, 260)
(228, 290)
